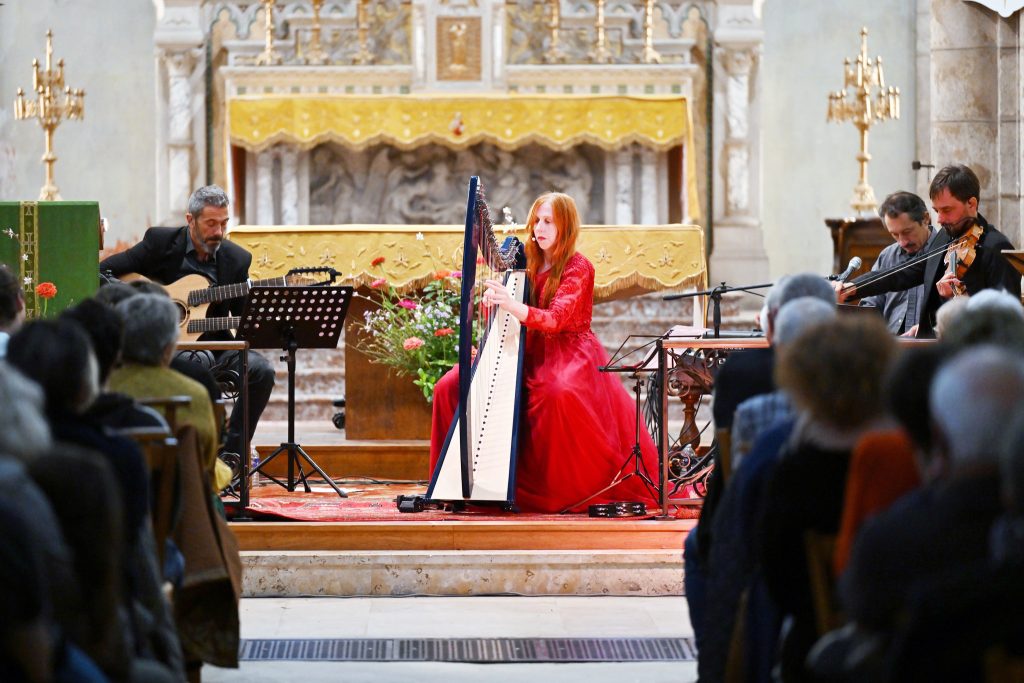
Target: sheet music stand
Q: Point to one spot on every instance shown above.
(291, 318)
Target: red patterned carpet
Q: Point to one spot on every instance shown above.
(375, 503)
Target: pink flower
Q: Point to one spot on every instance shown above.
(377, 261)
(409, 304)
(444, 332)
(412, 343)
(457, 274)
(377, 284)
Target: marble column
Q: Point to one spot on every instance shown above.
(650, 190)
(976, 103)
(289, 185)
(624, 186)
(738, 255)
(179, 142)
(265, 187)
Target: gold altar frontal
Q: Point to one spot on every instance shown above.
(628, 260)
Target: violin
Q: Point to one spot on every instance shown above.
(961, 255)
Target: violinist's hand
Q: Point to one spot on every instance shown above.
(844, 291)
(947, 284)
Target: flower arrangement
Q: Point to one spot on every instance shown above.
(417, 337)
(43, 290)
(46, 291)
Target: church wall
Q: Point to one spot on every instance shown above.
(809, 166)
(107, 46)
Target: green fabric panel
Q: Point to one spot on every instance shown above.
(68, 236)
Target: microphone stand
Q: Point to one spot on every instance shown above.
(715, 295)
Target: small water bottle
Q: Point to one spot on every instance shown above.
(254, 476)
(689, 454)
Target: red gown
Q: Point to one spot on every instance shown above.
(579, 422)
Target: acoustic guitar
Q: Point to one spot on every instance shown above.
(192, 295)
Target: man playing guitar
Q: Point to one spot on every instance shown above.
(166, 255)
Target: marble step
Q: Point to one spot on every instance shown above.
(462, 572)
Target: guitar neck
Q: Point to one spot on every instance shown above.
(233, 291)
(201, 325)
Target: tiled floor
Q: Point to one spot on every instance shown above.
(477, 617)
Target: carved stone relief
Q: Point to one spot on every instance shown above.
(427, 185)
(458, 49)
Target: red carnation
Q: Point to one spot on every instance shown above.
(46, 290)
(377, 261)
(444, 332)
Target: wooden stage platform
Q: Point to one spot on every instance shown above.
(390, 553)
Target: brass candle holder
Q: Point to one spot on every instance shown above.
(49, 110)
(363, 54)
(600, 54)
(554, 54)
(649, 55)
(864, 107)
(270, 56)
(315, 53)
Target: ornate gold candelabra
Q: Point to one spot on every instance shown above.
(649, 55)
(363, 55)
(315, 53)
(269, 56)
(864, 108)
(49, 111)
(554, 54)
(600, 54)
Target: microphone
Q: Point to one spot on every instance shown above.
(854, 264)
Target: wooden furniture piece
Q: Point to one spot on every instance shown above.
(161, 452)
(820, 548)
(686, 367)
(865, 237)
(167, 406)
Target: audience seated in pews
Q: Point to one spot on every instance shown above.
(745, 374)
(767, 421)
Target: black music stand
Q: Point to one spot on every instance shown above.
(635, 456)
(291, 318)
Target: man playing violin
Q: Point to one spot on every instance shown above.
(906, 218)
(169, 254)
(965, 257)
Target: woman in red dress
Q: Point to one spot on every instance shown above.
(579, 426)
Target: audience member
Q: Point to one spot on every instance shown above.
(986, 324)
(12, 306)
(105, 328)
(150, 337)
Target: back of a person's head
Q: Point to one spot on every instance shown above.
(58, 356)
(24, 433)
(906, 390)
(150, 327)
(114, 293)
(833, 370)
(973, 398)
(10, 296)
(147, 287)
(805, 284)
(992, 324)
(995, 298)
(948, 315)
(799, 314)
(25, 606)
(105, 328)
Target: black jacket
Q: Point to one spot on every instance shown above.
(990, 270)
(159, 254)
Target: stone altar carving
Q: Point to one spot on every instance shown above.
(427, 185)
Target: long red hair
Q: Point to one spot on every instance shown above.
(567, 219)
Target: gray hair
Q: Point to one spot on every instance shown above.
(211, 195)
(798, 315)
(24, 433)
(150, 326)
(949, 315)
(973, 398)
(806, 284)
(1011, 463)
(995, 299)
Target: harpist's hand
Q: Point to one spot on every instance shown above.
(497, 295)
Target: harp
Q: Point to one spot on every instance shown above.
(478, 461)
